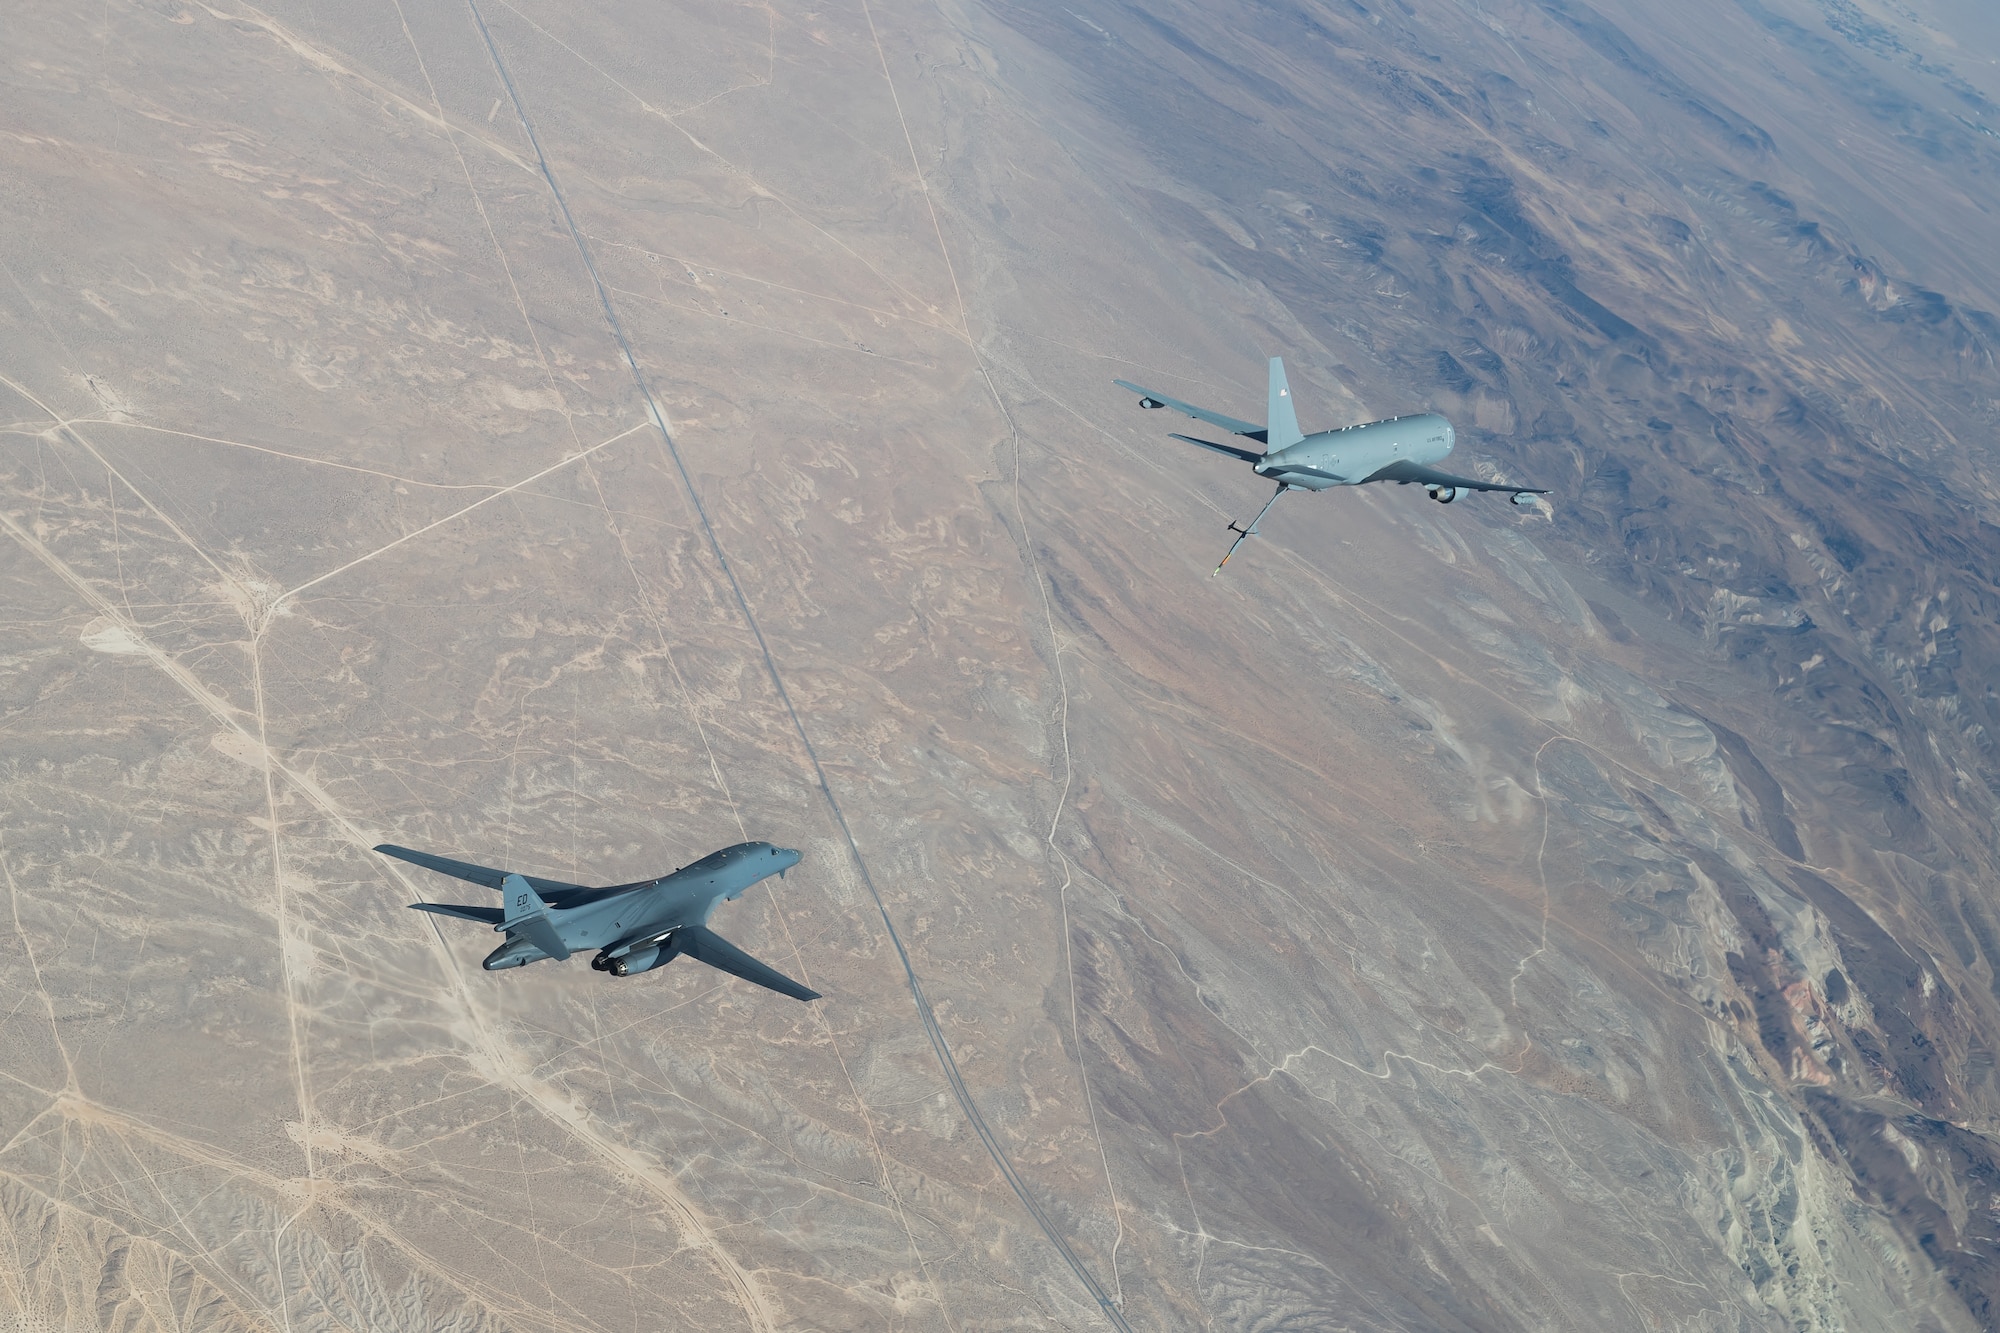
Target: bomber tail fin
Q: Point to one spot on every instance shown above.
(521, 901)
(525, 914)
(1281, 419)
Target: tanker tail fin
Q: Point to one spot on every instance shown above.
(1281, 419)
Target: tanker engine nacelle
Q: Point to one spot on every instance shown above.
(1444, 495)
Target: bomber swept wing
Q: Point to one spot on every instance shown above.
(702, 943)
(465, 870)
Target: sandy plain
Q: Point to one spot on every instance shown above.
(581, 439)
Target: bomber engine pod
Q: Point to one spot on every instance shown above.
(639, 960)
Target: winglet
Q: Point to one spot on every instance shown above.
(1281, 419)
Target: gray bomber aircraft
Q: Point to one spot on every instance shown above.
(1400, 449)
(634, 927)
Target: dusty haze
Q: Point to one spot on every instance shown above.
(580, 437)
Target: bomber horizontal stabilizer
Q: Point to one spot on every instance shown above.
(465, 870)
(489, 915)
(537, 931)
(703, 943)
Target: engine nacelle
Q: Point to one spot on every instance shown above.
(1444, 495)
(643, 959)
(1151, 403)
(1524, 498)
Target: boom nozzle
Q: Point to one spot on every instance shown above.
(1244, 534)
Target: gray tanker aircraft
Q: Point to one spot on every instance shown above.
(634, 927)
(1400, 449)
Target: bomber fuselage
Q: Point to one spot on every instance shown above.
(1355, 453)
(600, 918)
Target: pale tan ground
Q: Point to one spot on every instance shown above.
(1459, 918)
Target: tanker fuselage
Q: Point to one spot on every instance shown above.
(1353, 454)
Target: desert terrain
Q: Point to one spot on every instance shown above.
(576, 438)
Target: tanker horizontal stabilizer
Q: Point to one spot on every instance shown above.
(1228, 450)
